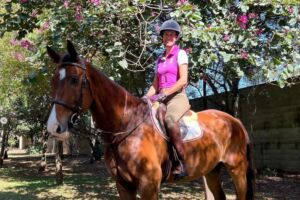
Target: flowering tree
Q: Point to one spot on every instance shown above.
(253, 42)
(227, 41)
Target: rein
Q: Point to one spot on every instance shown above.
(126, 132)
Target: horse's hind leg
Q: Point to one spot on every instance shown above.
(239, 176)
(213, 188)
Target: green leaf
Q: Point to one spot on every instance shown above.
(226, 56)
(187, 7)
(108, 50)
(8, 7)
(290, 68)
(23, 16)
(292, 22)
(117, 44)
(195, 16)
(253, 43)
(281, 83)
(123, 63)
(175, 14)
(239, 72)
(142, 1)
(241, 38)
(244, 8)
(276, 61)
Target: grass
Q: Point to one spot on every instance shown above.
(20, 179)
(23, 181)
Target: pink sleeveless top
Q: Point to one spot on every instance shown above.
(168, 69)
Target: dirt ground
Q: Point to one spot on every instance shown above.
(80, 174)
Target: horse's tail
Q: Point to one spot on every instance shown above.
(250, 174)
(250, 170)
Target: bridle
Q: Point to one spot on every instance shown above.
(78, 107)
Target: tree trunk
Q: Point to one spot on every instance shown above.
(43, 164)
(58, 161)
(5, 156)
(204, 95)
(235, 97)
(3, 146)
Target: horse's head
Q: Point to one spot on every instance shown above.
(70, 91)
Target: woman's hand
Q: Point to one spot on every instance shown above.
(158, 97)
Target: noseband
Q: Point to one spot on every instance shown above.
(78, 107)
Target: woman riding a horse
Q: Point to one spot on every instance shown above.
(135, 153)
(168, 87)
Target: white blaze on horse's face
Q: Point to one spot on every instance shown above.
(53, 124)
(62, 74)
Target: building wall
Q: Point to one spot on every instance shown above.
(272, 118)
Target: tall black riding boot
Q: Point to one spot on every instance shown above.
(179, 170)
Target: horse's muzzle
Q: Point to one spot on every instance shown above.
(57, 129)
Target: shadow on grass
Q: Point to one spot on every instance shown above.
(19, 179)
(74, 187)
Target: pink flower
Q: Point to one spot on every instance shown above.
(19, 56)
(252, 15)
(45, 26)
(26, 44)
(14, 42)
(181, 2)
(78, 15)
(226, 37)
(95, 2)
(242, 21)
(187, 50)
(244, 55)
(153, 14)
(23, 1)
(290, 10)
(259, 32)
(66, 4)
(153, 38)
(33, 13)
(157, 28)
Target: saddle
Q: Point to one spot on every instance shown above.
(189, 129)
(188, 123)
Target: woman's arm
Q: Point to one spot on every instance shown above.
(153, 89)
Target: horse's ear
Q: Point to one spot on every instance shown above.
(71, 50)
(53, 54)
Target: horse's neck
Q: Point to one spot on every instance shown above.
(111, 102)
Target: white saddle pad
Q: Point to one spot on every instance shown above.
(189, 126)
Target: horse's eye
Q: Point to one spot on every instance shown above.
(74, 81)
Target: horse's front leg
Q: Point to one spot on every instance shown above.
(149, 185)
(126, 193)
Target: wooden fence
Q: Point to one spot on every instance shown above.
(272, 118)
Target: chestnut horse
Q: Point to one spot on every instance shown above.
(136, 155)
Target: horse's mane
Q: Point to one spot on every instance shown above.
(103, 78)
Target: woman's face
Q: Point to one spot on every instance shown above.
(169, 38)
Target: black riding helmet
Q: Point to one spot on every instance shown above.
(170, 25)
